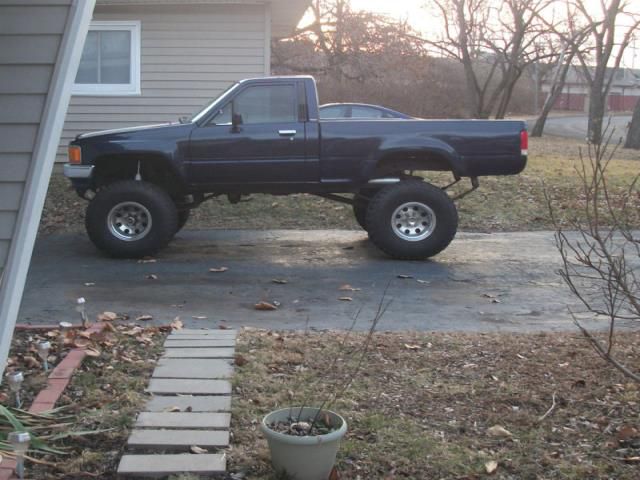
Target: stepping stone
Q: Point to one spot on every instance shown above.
(202, 403)
(199, 353)
(189, 343)
(163, 465)
(189, 386)
(195, 331)
(183, 420)
(192, 368)
(178, 438)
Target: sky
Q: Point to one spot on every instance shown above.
(413, 11)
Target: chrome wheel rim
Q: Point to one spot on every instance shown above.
(129, 221)
(413, 221)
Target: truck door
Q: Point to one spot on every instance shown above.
(265, 144)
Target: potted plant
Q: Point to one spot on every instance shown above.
(304, 440)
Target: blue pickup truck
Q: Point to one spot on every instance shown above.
(265, 135)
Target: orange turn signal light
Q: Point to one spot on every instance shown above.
(75, 154)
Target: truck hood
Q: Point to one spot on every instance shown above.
(117, 131)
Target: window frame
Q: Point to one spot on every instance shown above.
(116, 89)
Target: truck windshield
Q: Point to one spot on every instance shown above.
(219, 100)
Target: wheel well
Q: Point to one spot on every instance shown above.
(399, 162)
(153, 169)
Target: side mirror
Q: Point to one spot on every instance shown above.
(236, 121)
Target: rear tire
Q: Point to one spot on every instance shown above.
(131, 219)
(411, 220)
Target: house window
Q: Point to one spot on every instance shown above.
(110, 63)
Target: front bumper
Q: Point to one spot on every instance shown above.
(78, 171)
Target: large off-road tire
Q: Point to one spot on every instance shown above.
(411, 220)
(183, 218)
(131, 219)
(361, 203)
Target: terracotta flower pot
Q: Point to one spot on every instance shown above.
(303, 458)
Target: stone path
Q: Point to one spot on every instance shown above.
(190, 406)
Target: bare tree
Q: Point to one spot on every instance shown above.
(599, 265)
(346, 41)
(495, 41)
(633, 136)
(608, 42)
(571, 42)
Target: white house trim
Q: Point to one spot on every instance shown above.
(43, 157)
(267, 39)
(131, 88)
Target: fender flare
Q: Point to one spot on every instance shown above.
(418, 147)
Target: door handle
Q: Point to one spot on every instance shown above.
(287, 133)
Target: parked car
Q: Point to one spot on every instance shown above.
(264, 135)
(358, 110)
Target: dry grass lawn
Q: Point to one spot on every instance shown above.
(423, 405)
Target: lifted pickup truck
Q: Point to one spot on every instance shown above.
(264, 136)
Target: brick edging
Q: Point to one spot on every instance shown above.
(57, 381)
(60, 376)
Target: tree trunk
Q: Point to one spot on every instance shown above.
(554, 93)
(633, 137)
(597, 99)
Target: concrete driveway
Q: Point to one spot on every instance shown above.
(497, 282)
(577, 126)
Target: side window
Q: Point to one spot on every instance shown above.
(266, 104)
(365, 112)
(333, 112)
(223, 117)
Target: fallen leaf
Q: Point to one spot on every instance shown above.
(491, 466)
(264, 306)
(218, 270)
(279, 281)
(92, 352)
(346, 299)
(198, 450)
(626, 433)
(81, 342)
(177, 324)
(109, 327)
(405, 276)
(240, 360)
(499, 432)
(144, 318)
(411, 347)
(349, 288)
(31, 362)
(152, 276)
(107, 316)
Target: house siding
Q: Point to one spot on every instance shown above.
(189, 54)
(30, 35)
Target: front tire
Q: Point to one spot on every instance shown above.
(411, 220)
(183, 218)
(361, 204)
(131, 219)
